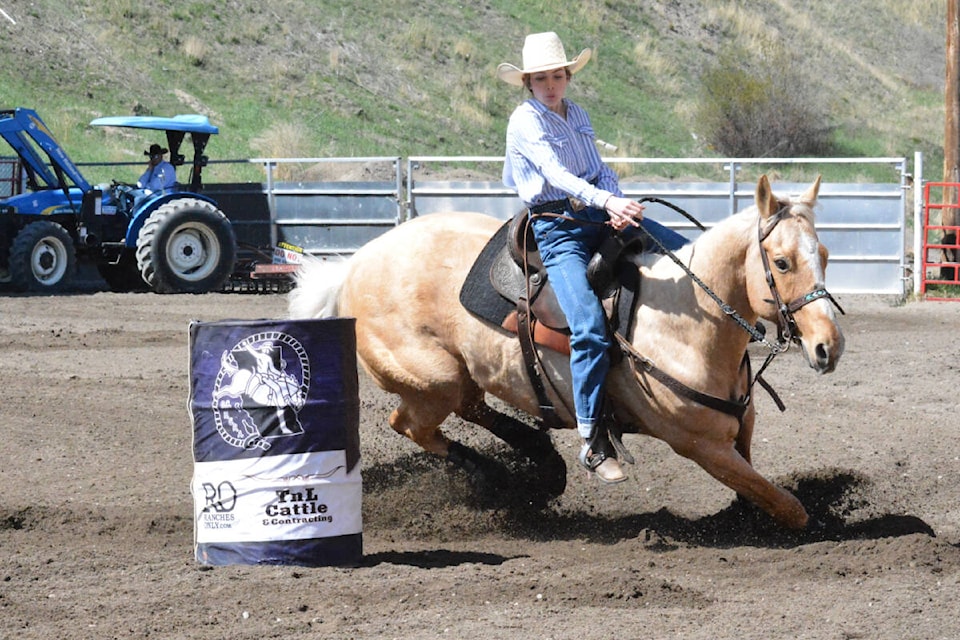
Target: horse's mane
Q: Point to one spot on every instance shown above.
(796, 207)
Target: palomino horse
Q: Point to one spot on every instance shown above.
(417, 341)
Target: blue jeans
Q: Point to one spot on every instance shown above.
(566, 247)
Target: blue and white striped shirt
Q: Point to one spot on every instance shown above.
(549, 158)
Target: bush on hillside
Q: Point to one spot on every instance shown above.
(760, 106)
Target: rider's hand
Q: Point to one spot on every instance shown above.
(623, 212)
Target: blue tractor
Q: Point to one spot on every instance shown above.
(171, 241)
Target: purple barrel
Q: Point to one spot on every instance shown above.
(276, 413)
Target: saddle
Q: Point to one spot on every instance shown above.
(508, 286)
(508, 282)
(517, 273)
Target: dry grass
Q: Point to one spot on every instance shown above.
(590, 16)
(656, 64)
(750, 29)
(423, 37)
(465, 49)
(284, 140)
(196, 50)
(919, 12)
(467, 109)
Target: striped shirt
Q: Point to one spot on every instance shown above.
(549, 158)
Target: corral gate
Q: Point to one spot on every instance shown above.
(940, 249)
(862, 224)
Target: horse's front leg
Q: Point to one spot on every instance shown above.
(724, 453)
(745, 434)
(721, 460)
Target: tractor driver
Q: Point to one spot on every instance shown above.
(160, 174)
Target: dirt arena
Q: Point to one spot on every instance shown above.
(96, 514)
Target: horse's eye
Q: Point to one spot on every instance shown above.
(781, 264)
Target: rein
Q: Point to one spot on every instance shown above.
(756, 333)
(787, 330)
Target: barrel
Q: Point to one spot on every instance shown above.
(275, 411)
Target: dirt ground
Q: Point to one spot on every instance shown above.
(96, 514)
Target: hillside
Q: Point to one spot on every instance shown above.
(410, 77)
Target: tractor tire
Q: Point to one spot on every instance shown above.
(42, 258)
(186, 246)
(124, 276)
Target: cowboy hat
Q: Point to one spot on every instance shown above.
(541, 52)
(155, 150)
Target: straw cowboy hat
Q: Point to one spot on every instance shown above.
(541, 52)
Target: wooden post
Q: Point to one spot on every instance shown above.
(951, 136)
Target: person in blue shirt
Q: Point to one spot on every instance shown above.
(159, 174)
(553, 163)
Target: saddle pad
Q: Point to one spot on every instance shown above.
(477, 295)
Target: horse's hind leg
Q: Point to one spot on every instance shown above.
(534, 444)
(419, 416)
(420, 421)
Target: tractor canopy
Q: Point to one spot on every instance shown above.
(175, 128)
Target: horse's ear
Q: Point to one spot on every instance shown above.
(766, 201)
(809, 197)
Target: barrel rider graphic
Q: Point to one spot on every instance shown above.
(258, 395)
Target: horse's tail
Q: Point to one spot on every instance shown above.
(316, 293)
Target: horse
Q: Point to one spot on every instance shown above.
(684, 355)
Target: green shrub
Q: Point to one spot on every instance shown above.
(760, 107)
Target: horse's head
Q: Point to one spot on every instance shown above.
(790, 289)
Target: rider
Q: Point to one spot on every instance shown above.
(553, 163)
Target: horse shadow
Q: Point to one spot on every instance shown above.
(834, 499)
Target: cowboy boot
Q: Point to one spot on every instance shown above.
(597, 455)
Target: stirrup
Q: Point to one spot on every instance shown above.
(606, 468)
(588, 459)
(602, 268)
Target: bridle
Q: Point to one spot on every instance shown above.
(786, 323)
(787, 329)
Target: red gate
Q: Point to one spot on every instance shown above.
(941, 250)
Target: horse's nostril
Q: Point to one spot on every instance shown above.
(823, 354)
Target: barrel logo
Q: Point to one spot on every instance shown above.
(260, 389)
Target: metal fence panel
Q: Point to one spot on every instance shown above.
(320, 217)
(939, 269)
(334, 218)
(490, 198)
(863, 225)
